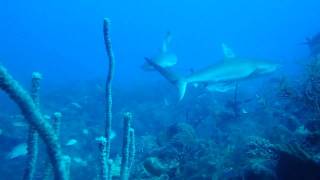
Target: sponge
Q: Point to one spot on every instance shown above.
(35, 119)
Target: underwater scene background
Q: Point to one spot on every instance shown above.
(201, 90)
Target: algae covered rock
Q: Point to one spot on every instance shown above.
(258, 147)
(179, 134)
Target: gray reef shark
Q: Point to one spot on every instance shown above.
(165, 58)
(221, 76)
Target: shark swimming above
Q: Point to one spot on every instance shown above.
(221, 76)
(165, 58)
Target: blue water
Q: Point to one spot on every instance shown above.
(64, 41)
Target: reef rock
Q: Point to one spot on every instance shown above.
(259, 171)
(295, 164)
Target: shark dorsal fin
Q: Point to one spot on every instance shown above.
(166, 42)
(227, 52)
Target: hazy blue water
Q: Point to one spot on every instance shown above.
(63, 40)
(66, 35)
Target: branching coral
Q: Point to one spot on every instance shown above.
(104, 173)
(124, 173)
(32, 135)
(132, 148)
(128, 149)
(106, 153)
(35, 119)
(56, 117)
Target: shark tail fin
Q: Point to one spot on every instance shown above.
(182, 87)
(173, 78)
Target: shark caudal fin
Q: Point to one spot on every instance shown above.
(173, 78)
(182, 87)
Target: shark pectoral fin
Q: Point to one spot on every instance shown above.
(221, 87)
(227, 52)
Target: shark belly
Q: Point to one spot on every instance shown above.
(221, 74)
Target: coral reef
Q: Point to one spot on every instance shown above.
(271, 134)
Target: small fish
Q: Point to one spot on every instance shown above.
(85, 131)
(71, 142)
(76, 105)
(19, 124)
(46, 117)
(244, 111)
(112, 136)
(1, 131)
(80, 161)
(166, 102)
(101, 139)
(17, 117)
(17, 151)
(302, 130)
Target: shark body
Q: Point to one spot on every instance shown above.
(220, 76)
(230, 70)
